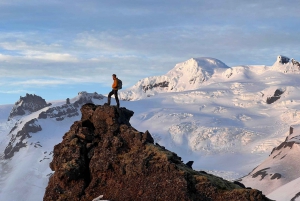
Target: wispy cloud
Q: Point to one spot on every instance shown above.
(22, 50)
(13, 91)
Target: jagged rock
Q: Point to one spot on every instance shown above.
(69, 109)
(122, 163)
(28, 104)
(147, 137)
(155, 85)
(296, 63)
(190, 164)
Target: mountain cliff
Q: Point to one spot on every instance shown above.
(103, 154)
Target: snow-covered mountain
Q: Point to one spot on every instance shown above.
(225, 119)
(187, 75)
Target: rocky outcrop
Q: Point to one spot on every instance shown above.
(103, 154)
(296, 63)
(155, 85)
(67, 110)
(275, 97)
(28, 104)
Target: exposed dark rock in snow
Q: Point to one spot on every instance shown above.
(296, 196)
(17, 141)
(60, 112)
(156, 85)
(296, 63)
(283, 59)
(284, 145)
(28, 104)
(68, 109)
(275, 97)
(262, 173)
(103, 155)
(276, 176)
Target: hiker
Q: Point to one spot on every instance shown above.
(114, 91)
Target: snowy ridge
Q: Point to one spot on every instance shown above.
(280, 169)
(184, 76)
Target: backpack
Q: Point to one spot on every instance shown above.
(119, 83)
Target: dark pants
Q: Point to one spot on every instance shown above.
(113, 92)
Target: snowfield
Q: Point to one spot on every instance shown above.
(225, 119)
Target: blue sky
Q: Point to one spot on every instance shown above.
(57, 48)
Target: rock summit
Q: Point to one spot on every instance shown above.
(103, 154)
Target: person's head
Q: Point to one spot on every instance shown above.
(114, 76)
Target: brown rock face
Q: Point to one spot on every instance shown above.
(103, 155)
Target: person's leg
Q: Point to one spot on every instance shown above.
(109, 97)
(116, 97)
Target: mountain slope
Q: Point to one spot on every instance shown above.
(279, 169)
(289, 191)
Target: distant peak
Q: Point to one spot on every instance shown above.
(208, 61)
(28, 104)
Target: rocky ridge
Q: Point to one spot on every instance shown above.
(70, 109)
(27, 105)
(103, 154)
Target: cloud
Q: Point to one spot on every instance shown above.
(5, 58)
(225, 42)
(13, 91)
(55, 57)
(21, 50)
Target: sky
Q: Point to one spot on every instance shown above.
(56, 49)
